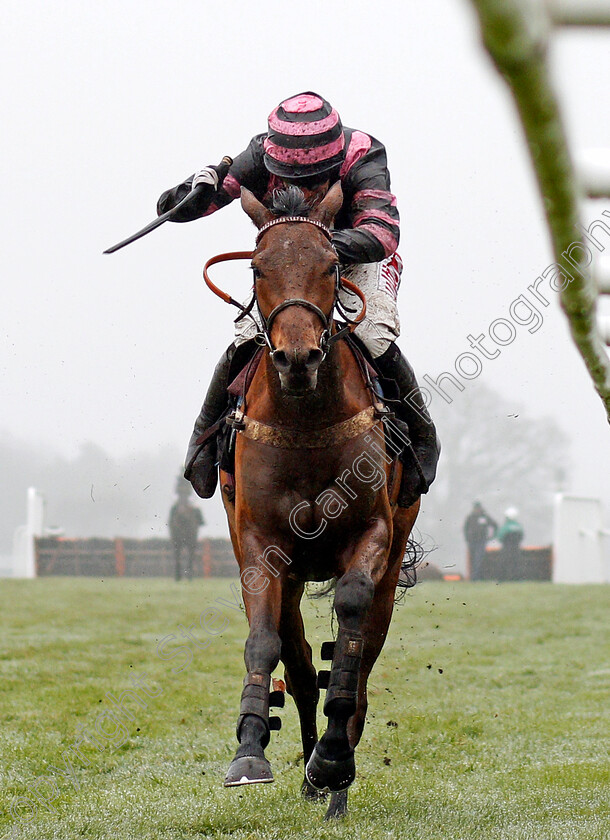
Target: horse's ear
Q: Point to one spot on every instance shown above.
(253, 207)
(330, 205)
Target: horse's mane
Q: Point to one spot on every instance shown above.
(290, 202)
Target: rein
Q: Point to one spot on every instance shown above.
(293, 438)
(328, 338)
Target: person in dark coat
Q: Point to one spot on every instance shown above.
(184, 522)
(479, 528)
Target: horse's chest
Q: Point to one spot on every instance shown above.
(314, 491)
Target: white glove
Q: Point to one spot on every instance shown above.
(207, 175)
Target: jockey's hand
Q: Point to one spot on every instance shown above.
(200, 195)
(203, 185)
(207, 175)
(171, 197)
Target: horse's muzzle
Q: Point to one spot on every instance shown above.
(298, 369)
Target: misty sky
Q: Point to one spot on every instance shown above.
(109, 104)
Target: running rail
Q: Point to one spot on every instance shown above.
(515, 34)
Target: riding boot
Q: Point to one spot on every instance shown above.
(201, 459)
(420, 447)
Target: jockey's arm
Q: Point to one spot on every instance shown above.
(368, 229)
(369, 217)
(245, 170)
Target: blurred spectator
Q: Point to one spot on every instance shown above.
(184, 522)
(510, 536)
(479, 528)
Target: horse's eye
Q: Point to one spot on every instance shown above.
(255, 272)
(333, 269)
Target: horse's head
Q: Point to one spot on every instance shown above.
(295, 275)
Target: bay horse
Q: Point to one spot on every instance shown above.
(304, 506)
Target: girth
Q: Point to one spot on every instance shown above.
(306, 439)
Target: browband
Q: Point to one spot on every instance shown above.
(325, 230)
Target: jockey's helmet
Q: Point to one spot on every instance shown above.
(305, 138)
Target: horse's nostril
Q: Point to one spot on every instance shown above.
(297, 362)
(280, 360)
(314, 359)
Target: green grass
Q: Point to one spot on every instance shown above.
(489, 717)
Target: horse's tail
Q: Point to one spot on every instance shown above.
(413, 557)
(415, 554)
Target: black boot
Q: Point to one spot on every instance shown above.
(202, 458)
(421, 457)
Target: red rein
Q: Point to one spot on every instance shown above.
(247, 255)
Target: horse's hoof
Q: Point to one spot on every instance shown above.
(338, 806)
(248, 770)
(312, 794)
(322, 773)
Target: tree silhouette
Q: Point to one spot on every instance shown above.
(492, 453)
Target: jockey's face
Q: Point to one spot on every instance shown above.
(313, 191)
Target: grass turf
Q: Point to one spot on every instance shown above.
(489, 717)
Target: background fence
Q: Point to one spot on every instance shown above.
(123, 557)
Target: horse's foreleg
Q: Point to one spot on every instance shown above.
(373, 633)
(378, 619)
(262, 654)
(300, 672)
(332, 763)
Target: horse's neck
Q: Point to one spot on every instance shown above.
(340, 393)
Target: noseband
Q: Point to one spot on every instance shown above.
(326, 339)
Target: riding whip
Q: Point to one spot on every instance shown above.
(221, 169)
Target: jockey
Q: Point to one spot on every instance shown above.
(306, 145)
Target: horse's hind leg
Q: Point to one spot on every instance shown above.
(337, 806)
(300, 673)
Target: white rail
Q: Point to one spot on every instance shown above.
(594, 175)
(579, 12)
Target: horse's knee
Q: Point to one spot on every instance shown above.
(353, 595)
(263, 648)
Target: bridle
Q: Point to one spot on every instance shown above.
(328, 338)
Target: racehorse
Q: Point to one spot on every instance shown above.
(314, 498)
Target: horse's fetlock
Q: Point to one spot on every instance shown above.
(252, 734)
(254, 707)
(340, 707)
